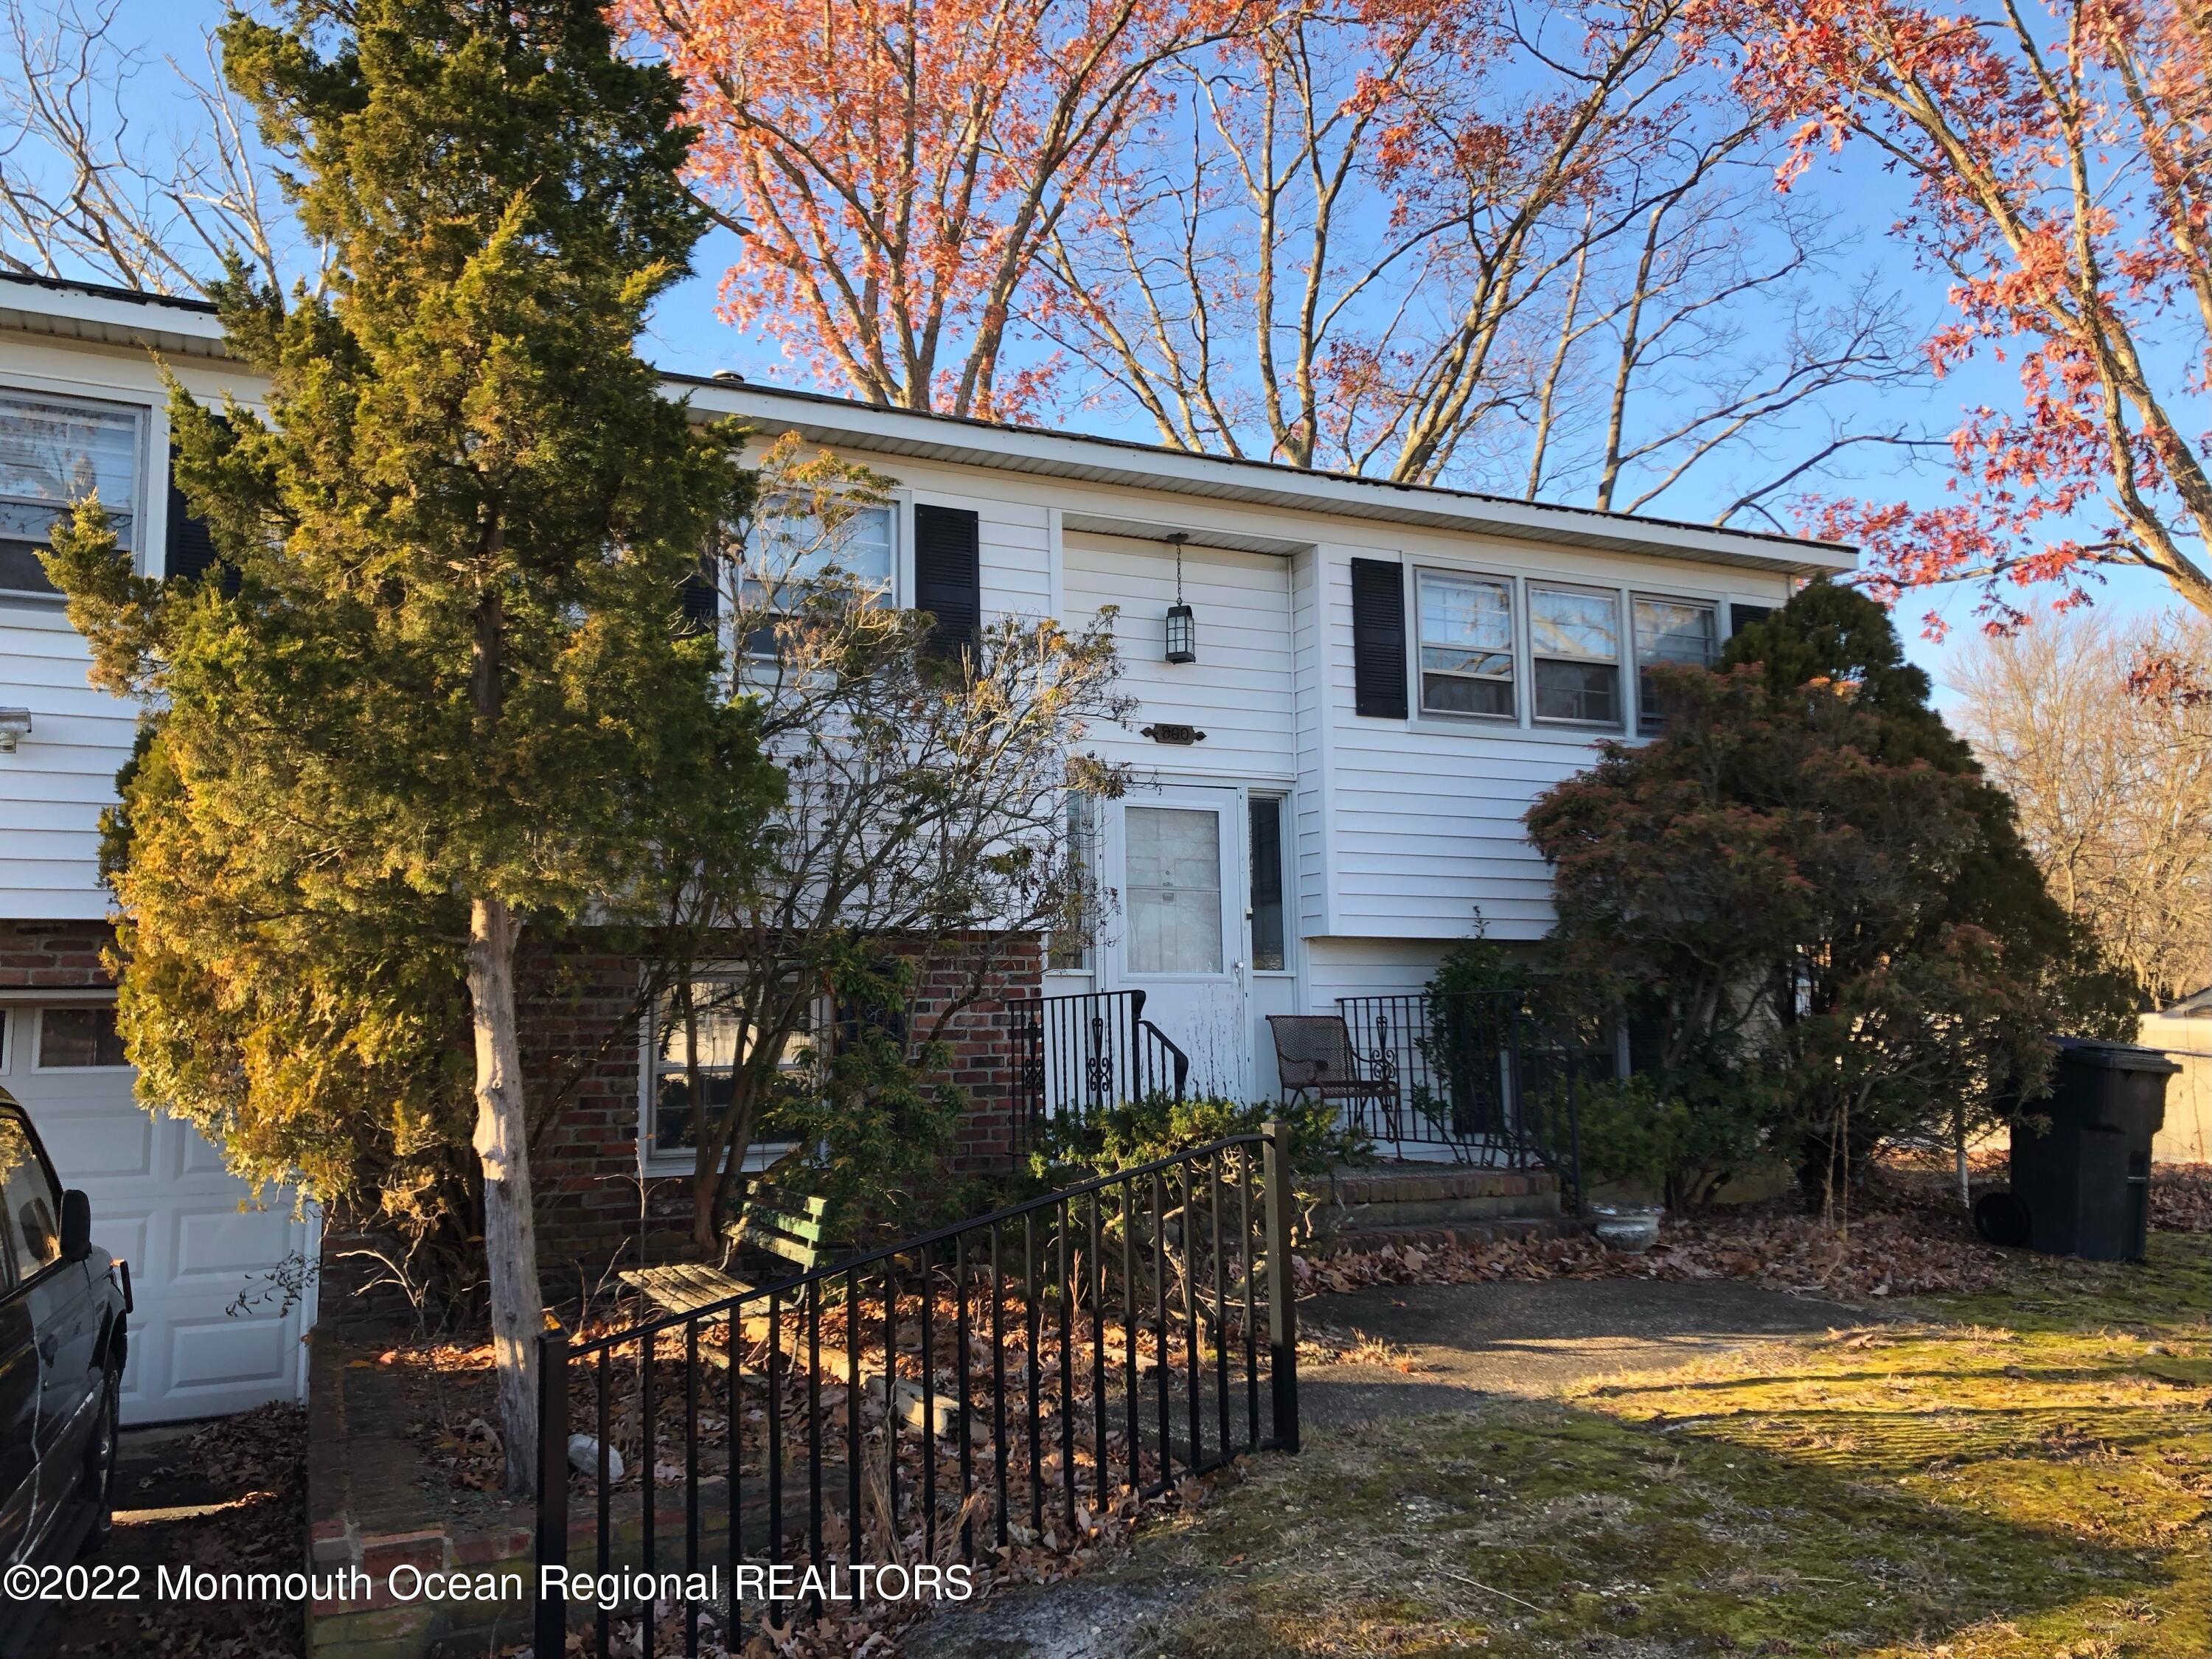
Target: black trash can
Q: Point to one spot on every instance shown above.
(2085, 1182)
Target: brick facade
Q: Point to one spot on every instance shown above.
(580, 1043)
(60, 956)
(582, 1054)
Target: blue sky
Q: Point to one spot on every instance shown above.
(685, 335)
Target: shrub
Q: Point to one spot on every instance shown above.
(1068, 1150)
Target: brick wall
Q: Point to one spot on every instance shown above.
(580, 1038)
(54, 955)
(581, 1053)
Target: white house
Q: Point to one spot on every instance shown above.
(1382, 677)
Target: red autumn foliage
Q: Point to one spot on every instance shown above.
(894, 168)
(2057, 160)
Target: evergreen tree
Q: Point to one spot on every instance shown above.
(449, 690)
(1822, 914)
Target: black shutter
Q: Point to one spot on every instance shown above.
(948, 580)
(1378, 639)
(190, 554)
(700, 598)
(1741, 617)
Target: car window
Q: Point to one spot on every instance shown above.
(29, 1206)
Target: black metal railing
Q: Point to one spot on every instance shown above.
(1001, 1381)
(1477, 1075)
(1074, 1055)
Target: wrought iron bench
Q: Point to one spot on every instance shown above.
(1314, 1056)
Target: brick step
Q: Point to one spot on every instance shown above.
(1389, 1196)
(1449, 1211)
(1438, 1238)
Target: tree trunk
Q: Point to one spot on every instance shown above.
(517, 1312)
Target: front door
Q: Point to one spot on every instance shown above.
(1179, 857)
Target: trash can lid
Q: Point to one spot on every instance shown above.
(2114, 1056)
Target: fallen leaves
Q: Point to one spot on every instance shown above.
(2181, 1198)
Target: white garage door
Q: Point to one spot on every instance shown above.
(162, 1201)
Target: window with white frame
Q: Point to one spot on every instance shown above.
(1574, 641)
(705, 1022)
(1669, 631)
(54, 452)
(789, 551)
(71, 1038)
(1466, 644)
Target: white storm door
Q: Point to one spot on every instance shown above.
(1179, 870)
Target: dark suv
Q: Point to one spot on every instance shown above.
(63, 1311)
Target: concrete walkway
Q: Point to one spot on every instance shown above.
(1534, 1337)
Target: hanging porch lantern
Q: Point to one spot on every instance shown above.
(1182, 630)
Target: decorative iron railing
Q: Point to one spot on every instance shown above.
(1074, 1055)
(918, 1406)
(1477, 1075)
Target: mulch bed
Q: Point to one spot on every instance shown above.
(1912, 1237)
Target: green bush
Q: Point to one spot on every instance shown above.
(1686, 1145)
(1068, 1150)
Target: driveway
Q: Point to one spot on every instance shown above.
(1534, 1337)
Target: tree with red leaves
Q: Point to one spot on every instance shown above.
(894, 166)
(2061, 164)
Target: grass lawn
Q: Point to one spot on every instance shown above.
(2022, 1473)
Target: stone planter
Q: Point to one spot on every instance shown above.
(1630, 1228)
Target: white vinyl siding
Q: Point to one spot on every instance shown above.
(1423, 820)
(53, 787)
(1239, 690)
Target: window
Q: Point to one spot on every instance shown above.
(1267, 854)
(52, 455)
(1669, 630)
(1173, 858)
(30, 1207)
(1574, 636)
(788, 550)
(71, 1038)
(708, 1021)
(1467, 645)
(1070, 951)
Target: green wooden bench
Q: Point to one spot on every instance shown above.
(769, 1218)
(789, 1224)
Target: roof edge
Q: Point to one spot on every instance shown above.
(112, 314)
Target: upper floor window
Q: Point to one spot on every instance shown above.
(1467, 645)
(1575, 639)
(53, 454)
(1669, 630)
(790, 551)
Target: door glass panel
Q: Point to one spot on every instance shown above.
(1266, 855)
(1175, 890)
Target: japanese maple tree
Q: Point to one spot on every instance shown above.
(2058, 161)
(894, 166)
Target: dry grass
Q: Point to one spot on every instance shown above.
(2014, 1474)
